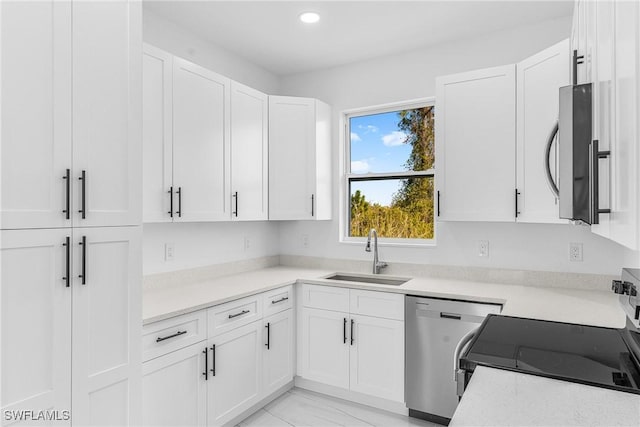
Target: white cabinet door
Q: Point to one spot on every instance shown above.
(476, 140)
(200, 143)
(36, 322)
(278, 351)
(292, 136)
(583, 38)
(106, 325)
(249, 153)
(324, 347)
(157, 174)
(36, 113)
(107, 140)
(174, 389)
(538, 79)
(235, 375)
(377, 357)
(625, 150)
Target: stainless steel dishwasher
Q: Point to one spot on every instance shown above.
(433, 329)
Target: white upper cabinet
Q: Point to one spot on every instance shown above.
(70, 109)
(475, 145)
(249, 153)
(36, 93)
(583, 39)
(200, 143)
(538, 79)
(157, 134)
(299, 159)
(107, 151)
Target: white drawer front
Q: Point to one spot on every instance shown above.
(277, 300)
(225, 317)
(325, 297)
(377, 304)
(168, 335)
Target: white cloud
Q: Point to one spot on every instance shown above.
(360, 166)
(369, 128)
(394, 138)
(355, 137)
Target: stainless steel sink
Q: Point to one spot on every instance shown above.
(363, 278)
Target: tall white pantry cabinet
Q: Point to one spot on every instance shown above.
(70, 301)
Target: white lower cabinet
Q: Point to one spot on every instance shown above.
(232, 368)
(235, 373)
(362, 353)
(174, 390)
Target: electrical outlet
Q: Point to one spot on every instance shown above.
(483, 248)
(575, 252)
(247, 243)
(305, 240)
(168, 251)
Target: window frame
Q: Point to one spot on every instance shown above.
(347, 177)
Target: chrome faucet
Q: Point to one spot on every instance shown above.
(377, 264)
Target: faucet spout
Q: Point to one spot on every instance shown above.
(377, 264)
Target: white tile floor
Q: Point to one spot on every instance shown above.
(299, 407)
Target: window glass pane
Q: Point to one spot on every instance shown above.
(396, 208)
(392, 142)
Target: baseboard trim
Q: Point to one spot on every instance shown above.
(363, 399)
(262, 403)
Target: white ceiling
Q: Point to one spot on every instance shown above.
(268, 33)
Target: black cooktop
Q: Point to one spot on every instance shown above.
(602, 357)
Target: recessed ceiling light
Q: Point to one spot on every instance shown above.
(309, 17)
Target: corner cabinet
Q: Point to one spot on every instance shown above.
(299, 159)
(475, 148)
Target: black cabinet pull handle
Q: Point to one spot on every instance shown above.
(352, 339)
(268, 326)
(450, 316)
(67, 203)
(206, 363)
(577, 59)
(595, 197)
(344, 331)
(213, 368)
(83, 194)
(235, 197)
(177, 334)
(517, 211)
(83, 276)
(438, 202)
(279, 300)
(67, 262)
(170, 201)
(179, 192)
(312, 204)
(231, 316)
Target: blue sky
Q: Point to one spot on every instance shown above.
(377, 145)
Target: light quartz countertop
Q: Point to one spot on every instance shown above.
(586, 307)
(496, 397)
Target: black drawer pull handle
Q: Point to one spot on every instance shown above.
(177, 334)
(67, 263)
(206, 363)
(231, 316)
(179, 192)
(67, 203)
(344, 331)
(279, 300)
(312, 205)
(235, 198)
(450, 316)
(170, 201)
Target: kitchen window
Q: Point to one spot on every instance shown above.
(389, 173)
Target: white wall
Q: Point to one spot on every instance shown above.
(201, 244)
(168, 36)
(412, 75)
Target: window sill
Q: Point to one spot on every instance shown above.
(362, 241)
